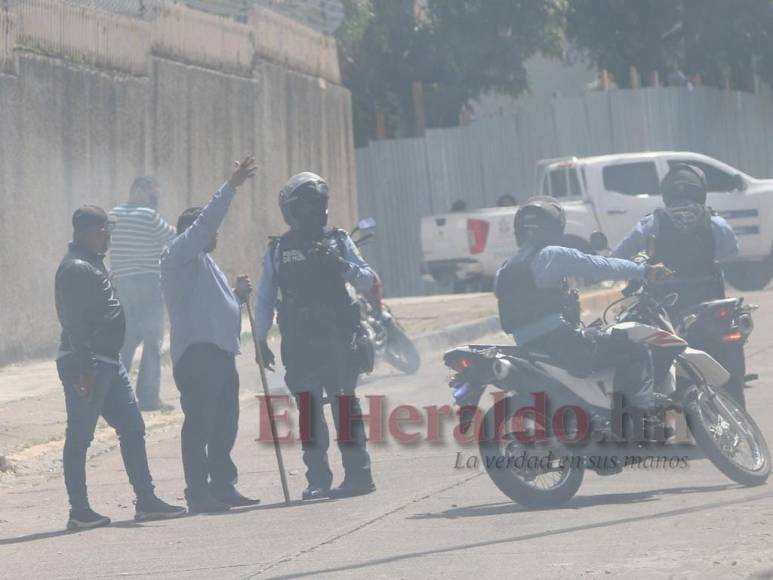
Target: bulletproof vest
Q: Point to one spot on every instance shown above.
(314, 296)
(521, 302)
(685, 240)
(685, 244)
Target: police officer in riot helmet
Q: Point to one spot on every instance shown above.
(307, 274)
(686, 236)
(541, 311)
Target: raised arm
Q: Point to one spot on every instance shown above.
(197, 237)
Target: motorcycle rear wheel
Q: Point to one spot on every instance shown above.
(724, 432)
(533, 488)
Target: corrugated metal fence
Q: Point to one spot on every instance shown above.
(402, 180)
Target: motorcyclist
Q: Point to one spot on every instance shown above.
(308, 269)
(541, 312)
(686, 236)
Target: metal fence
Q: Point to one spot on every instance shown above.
(402, 180)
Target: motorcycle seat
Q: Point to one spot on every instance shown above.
(526, 353)
(698, 308)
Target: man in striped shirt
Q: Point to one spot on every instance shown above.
(139, 237)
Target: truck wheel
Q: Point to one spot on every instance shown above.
(747, 276)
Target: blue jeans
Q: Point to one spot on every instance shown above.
(143, 307)
(114, 400)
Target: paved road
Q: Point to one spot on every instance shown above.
(428, 518)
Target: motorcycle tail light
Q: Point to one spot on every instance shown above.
(723, 312)
(477, 235)
(461, 364)
(736, 336)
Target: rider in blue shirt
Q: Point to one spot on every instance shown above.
(686, 236)
(542, 313)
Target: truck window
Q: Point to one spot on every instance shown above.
(564, 182)
(639, 178)
(718, 180)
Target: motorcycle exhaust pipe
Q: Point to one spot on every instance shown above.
(502, 368)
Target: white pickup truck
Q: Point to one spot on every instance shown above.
(608, 193)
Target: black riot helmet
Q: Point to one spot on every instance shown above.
(684, 184)
(303, 201)
(541, 220)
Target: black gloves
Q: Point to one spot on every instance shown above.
(268, 356)
(330, 258)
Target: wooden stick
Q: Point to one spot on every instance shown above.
(264, 381)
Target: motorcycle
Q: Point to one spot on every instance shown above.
(380, 326)
(547, 471)
(721, 328)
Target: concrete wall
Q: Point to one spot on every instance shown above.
(74, 133)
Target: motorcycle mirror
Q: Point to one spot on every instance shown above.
(598, 242)
(366, 224)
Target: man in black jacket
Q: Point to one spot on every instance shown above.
(94, 379)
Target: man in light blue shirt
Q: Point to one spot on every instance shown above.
(205, 319)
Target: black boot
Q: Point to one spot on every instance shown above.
(234, 499)
(352, 489)
(206, 504)
(153, 508)
(85, 519)
(315, 492)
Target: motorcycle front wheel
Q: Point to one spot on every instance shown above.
(535, 476)
(728, 435)
(400, 352)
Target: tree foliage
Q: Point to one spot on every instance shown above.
(460, 49)
(457, 49)
(723, 41)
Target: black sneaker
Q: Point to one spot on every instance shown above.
(207, 505)
(153, 508)
(313, 492)
(347, 489)
(85, 519)
(234, 499)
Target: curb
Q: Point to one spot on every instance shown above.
(593, 301)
